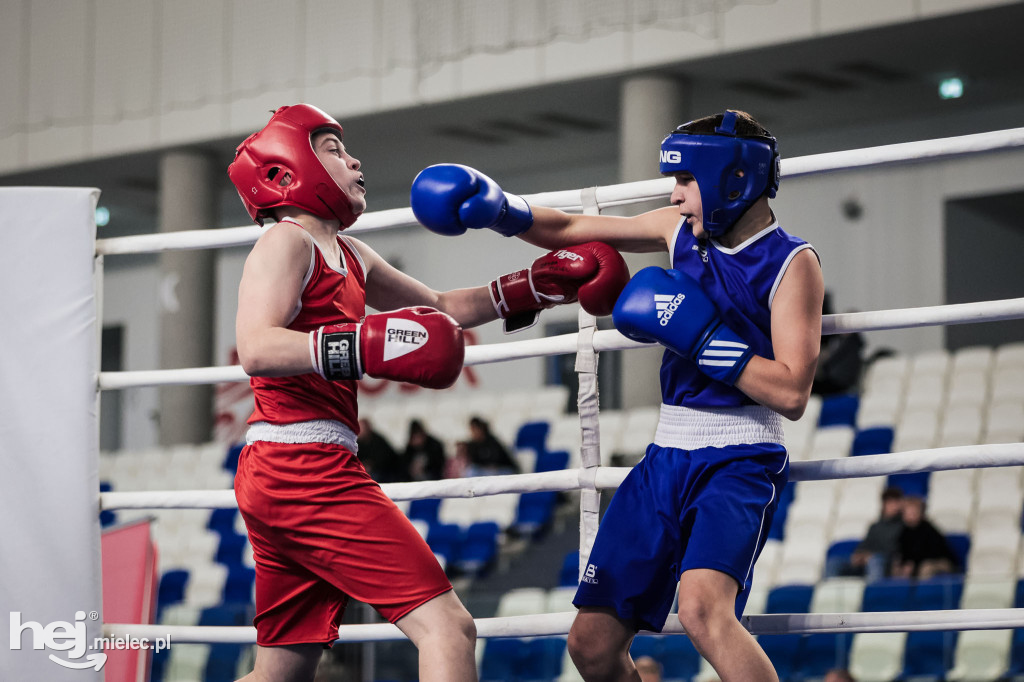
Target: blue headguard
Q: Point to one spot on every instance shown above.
(731, 172)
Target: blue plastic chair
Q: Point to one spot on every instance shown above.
(533, 436)
(789, 599)
(839, 410)
(873, 441)
(535, 511)
(477, 548)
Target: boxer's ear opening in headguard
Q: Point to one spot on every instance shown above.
(733, 159)
(277, 166)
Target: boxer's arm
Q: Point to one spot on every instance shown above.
(267, 294)
(644, 233)
(388, 288)
(784, 384)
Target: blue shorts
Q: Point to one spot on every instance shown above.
(678, 510)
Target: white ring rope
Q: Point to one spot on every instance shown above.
(593, 478)
(605, 197)
(610, 339)
(606, 478)
(557, 624)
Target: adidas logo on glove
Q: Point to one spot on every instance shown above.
(666, 305)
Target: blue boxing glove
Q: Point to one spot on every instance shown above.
(448, 198)
(669, 307)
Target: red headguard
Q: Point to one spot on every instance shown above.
(284, 146)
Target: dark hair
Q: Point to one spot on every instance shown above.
(746, 125)
(892, 493)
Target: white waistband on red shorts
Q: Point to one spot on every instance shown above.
(313, 431)
(689, 428)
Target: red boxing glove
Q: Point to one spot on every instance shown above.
(592, 273)
(419, 345)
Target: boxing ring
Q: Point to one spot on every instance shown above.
(591, 478)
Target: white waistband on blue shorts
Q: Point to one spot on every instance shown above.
(688, 428)
(313, 431)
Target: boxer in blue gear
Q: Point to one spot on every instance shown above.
(739, 314)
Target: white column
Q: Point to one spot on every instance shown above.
(188, 184)
(652, 107)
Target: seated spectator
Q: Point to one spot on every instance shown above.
(923, 550)
(424, 455)
(380, 459)
(840, 360)
(487, 456)
(649, 669)
(839, 675)
(874, 555)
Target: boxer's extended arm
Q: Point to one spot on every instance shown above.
(267, 294)
(784, 384)
(450, 198)
(594, 274)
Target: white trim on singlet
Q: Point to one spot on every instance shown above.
(359, 257)
(736, 249)
(672, 245)
(689, 428)
(782, 270)
(313, 431)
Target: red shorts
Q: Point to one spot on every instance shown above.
(323, 531)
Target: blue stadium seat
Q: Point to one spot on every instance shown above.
(789, 599)
(424, 510)
(937, 594)
(960, 543)
(222, 521)
(231, 461)
(929, 655)
(570, 572)
(518, 660)
(911, 484)
(1016, 650)
(107, 517)
(477, 548)
(892, 594)
(444, 539)
(544, 658)
(874, 441)
(839, 410)
(535, 511)
(551, 461)
(230, 549)
(533, 436)
(783, 651)
(172, 587)
(679, 658)
(238, 584)
(820, 653)
(222, 663)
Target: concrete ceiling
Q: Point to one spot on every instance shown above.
(854, 90)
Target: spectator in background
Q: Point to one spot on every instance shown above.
(380, 459)
(923, 550)
(650, 670)
(840, 361)
(839, 675)
(487, 456)
(874, 555)
(424, 458)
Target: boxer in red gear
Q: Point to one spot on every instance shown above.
(322, 530)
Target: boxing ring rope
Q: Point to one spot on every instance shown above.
(592, 478)
(609, 478)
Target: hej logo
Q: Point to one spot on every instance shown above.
(59, 636)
